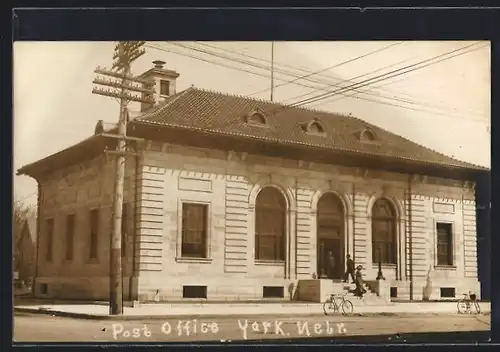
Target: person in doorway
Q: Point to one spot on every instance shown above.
(349, 269)
(360, 289)
(332, 263)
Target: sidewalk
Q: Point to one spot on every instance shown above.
(190, 310)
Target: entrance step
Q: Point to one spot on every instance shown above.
(319, 290)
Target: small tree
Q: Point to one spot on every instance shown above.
(21, 213)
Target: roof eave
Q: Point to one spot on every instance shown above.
(70, 155)
(438, 166)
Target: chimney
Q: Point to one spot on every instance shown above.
(164, 83)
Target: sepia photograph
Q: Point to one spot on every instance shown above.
(246, 192)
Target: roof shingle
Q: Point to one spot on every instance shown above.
(226, 114)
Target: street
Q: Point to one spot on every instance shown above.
(46, 328)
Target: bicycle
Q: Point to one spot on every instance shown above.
(465, 304)
(337, 301)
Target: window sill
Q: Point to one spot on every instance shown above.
(193, 260)
(270, 262)
(93, 261)
(445, 267)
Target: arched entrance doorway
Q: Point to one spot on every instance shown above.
(330, 237)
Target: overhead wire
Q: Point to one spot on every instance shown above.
(456, 110)
(288, 66)
(331, 67)
(367, 82)
(313, 87)
(391, 74)
(367, 92)
(363, 75)
(265, 67)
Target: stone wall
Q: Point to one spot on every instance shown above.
(229, 183)
(77, 190)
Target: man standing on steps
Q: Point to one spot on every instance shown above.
(350, 269)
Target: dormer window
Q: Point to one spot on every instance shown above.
(164, 88)
(314, 127)
(366, 135)
(257, 118)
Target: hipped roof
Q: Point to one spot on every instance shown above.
(221, 114)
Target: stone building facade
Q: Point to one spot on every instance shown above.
(221, 204)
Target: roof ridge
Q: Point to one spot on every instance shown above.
(233, 95)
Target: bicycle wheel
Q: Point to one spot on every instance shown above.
(462, 306)
(478, 308)
(347, 307)
(329, 307)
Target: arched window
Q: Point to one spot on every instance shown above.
(383, 232)
(330, 211)
(270, 225)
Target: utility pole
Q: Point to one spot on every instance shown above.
(121, 85)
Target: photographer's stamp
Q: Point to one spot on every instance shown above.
(247, 328)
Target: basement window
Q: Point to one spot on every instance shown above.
(447, 292)
(273, 292)
(394, 292)
(44, 289)
(194, 292)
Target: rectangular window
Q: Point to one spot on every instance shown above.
(444, 244)
(194, 230)
(164, 87)
(50, 239)
(124, 229)
(94, 233)
(70, 234)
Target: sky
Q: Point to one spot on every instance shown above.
(444, 106)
